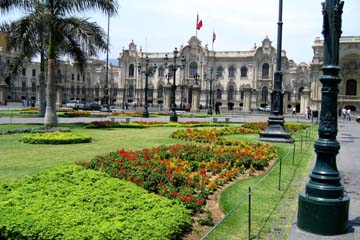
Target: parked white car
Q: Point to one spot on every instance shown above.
(72, 104)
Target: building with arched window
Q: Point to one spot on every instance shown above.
(349, 61)
(241, 80)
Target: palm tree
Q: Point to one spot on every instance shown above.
(76, 37)
(27, 37)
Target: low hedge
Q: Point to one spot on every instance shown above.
(55, 138)
(34, 130)
(70, 202)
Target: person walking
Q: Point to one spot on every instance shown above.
(348, 114)
(294, 111)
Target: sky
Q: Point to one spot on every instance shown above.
(162, 25)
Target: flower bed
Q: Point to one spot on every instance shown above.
(187, 172)
(210, 135)
(70, 202)
(143, 124)
(55, 138)
(261, 126)
(77, 113)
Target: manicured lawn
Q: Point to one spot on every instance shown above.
(269, 204)
(270, 208)
(19, 159)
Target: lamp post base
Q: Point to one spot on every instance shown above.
(145, 114)
(173, 117)
(275, 132)
(323, 216)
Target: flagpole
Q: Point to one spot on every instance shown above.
(212, 42)
(196, 24)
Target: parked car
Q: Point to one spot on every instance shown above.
(92, 106)
(358, 119)
(72, 103)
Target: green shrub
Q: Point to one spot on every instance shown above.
(34, 130)
(70, 202)
(55, 138)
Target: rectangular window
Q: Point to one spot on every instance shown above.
(23, 85)
(78, 77)
(33, 87)
(72, 76)
(24, 71)
(34, 72)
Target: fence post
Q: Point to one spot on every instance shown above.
(280, 174)
(293, 160)
(249, 215)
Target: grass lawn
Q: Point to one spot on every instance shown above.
(269, 206)
(272, 211)
(19, 159)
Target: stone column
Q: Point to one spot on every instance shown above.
(305, 100)
(59, 95)
(3, 91)
(285, 102)
(195, 97)
(247, 100)
(167, 101)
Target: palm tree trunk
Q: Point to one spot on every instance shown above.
(50, 115)
(42, 97)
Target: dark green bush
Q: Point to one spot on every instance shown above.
(34, 130)
(55, 138)
(70, 202)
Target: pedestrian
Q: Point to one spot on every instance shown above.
(217, 109)
(344, 112)
(294, 111)
(348, 114)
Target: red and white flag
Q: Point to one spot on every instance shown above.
(198, 23)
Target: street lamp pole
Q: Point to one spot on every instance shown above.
(172, 68)
(275, 132)
(210, 107)
(324, 207)
(148, 71)
(106, 88)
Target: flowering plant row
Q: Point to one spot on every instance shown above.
(211, 135)
(142, 124)
(187, 172)
(261, 126)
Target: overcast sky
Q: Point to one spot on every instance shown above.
(162, 25)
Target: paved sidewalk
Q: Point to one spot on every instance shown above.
(348, 163)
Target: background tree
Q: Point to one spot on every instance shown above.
(67, 34)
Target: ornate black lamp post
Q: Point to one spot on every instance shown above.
(149, 70)
(106, 87)
(172, 68)
(210, 107)
(324, 207)
(275, 131)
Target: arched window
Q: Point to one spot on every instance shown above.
(218, 93)
(231, 93)
(131, 70)
(150, 93)
(219, 71)
(264, 94)
(161, 72)
(265, 70)
(97, 90)
(131, 91)
(244, 72)
(160, 91)
(193, 69)
(231, 71)
(351, 87)
(299, 93)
